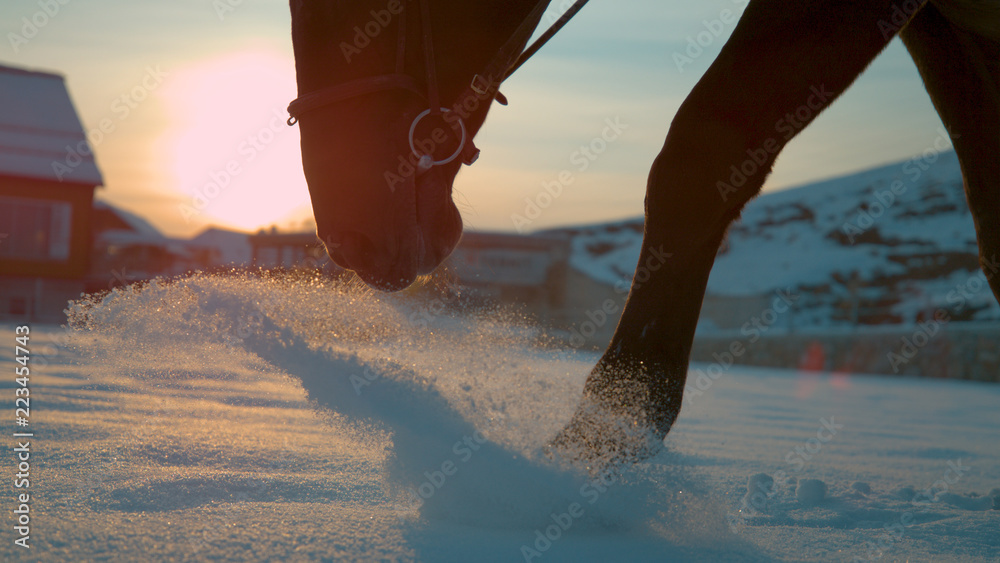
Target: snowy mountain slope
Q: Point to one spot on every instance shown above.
(883, 245)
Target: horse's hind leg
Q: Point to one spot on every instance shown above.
(961, 70)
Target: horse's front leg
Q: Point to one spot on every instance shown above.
(785, 62)
(634, 393)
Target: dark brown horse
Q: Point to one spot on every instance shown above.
(380, 156)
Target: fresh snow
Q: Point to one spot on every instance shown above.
(229, 419)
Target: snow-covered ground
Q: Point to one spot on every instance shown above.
(232, 419)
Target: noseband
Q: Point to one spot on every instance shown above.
(484, 85)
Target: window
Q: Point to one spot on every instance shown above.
(34, 229)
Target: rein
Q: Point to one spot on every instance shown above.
(485, 84)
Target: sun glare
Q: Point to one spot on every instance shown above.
(233, 157)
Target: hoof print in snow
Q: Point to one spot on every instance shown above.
(759, 488)
(810, 492)
(906, 494)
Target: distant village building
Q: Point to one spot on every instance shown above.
(215, 247)
(126, 248)
(47, 181)
(525, 271)
(288, 251)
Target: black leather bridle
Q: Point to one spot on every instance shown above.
(485, 85)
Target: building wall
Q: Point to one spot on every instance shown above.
(527, 273)
(37, 299)
(80, 198)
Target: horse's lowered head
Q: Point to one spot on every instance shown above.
(379, 157)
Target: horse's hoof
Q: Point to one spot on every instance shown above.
(597, 440)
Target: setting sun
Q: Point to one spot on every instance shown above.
(232, 156)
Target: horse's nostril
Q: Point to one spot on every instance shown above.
(351, 250)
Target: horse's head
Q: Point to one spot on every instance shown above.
(380, 174)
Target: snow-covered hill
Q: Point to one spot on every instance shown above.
(882, 246)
